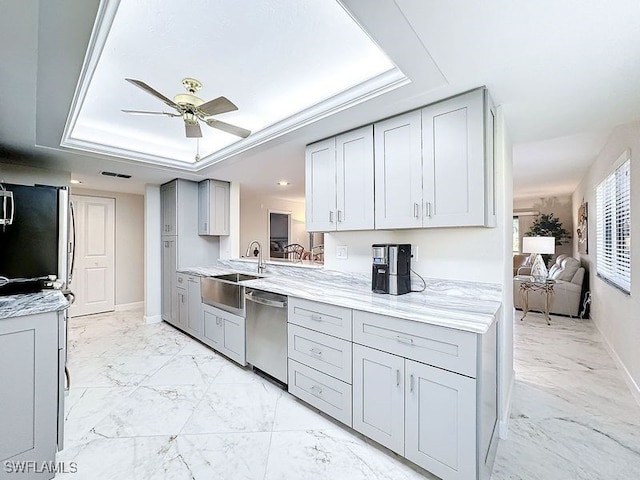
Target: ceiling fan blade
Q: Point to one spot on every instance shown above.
(192, 130)
(144, 112)
(153, 92)
(227, 127)
(218, 105)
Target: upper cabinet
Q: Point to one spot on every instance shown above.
(168, 204)
(339, 182)
(213, 207)
(457, 164)
(398, 202)
(433, 168)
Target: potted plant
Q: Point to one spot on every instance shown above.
(548, 225)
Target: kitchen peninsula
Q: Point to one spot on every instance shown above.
(417, 373)
(32, 359)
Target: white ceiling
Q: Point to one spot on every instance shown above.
(565, 71)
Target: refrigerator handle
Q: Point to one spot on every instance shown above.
(73, 242)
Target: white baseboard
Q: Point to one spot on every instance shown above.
(631, 383)
(123, 307)
(503, 426)
(152, 318)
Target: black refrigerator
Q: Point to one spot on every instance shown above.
(34, 238)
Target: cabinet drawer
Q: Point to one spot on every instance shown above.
(321, 317)
(327, 394)
(442, 347)
(325, 353)
(181, 280)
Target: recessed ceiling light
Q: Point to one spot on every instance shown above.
(75, 182)
(283, 183)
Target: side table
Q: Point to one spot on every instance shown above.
(532, 284)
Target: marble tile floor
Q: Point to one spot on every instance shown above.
(148, 402)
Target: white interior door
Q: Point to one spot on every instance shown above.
(93, 281)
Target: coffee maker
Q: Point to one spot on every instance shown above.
(391, 270)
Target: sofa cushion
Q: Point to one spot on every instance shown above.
(568, 268)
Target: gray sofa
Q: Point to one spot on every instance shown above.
(569, 275)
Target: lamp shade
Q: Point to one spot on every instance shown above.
(538, 245)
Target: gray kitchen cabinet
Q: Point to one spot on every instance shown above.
(168, 205)
(29, 401)
(398, 172)
(168, 280)
(195, 321)
(457, 162)
(440, 421)
(213, 207)
(225, 332)
(339, 182)
(182, 299)
(378, 396)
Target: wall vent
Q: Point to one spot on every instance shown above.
(113, 174)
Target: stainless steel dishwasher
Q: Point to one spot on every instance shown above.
(266, 323)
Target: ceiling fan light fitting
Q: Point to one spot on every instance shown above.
(187, 99)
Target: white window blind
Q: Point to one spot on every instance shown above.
(613, 229)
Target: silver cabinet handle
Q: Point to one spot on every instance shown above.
(330, 216)
(427, 209)
(397, 377)
(316, 351)
(180, 279)
(411, 382)
(416, 213)
(317, 318)
(316, 389)
(405, 340)
(339, 216)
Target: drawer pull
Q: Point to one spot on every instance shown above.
(180, 279)
(411, 381)
(316, 351)
(397, 377)
(408, 341)
(316, 390)
(317, 318)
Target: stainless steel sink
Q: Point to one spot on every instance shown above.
(225, 291)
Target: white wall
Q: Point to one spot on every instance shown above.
(152, 255)
(614, 312)
(129, 247)
(561, 207)
(254, 220)
(30, 176)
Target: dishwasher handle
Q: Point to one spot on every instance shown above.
(264, 301)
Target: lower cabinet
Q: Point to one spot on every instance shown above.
(182, 318)
(29, 400)
(195, 319)
(423, 413)
(224, 332)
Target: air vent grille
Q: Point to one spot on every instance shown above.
(118, 175)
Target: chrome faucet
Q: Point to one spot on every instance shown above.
(261, 266)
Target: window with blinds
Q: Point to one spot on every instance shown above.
(613, 226)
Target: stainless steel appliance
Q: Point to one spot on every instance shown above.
(266, 325)
(391, 269)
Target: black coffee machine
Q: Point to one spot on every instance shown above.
(391, 270)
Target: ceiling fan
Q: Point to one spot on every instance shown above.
(192, 109)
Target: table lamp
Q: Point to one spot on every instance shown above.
(539, 245)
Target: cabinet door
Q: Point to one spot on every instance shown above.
(440, 421)
(354, 176)
(213, 328)
(378, 396)
(454, 161)
(169, 295)
(183, 308)
(195, 323)
(320, 186)
(203, 207)
(398, 167)
(29, 399)
(234, 338)
(168, 205)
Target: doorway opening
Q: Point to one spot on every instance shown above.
(279, 233)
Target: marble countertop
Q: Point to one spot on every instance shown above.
(469, 306)
(32, 303)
